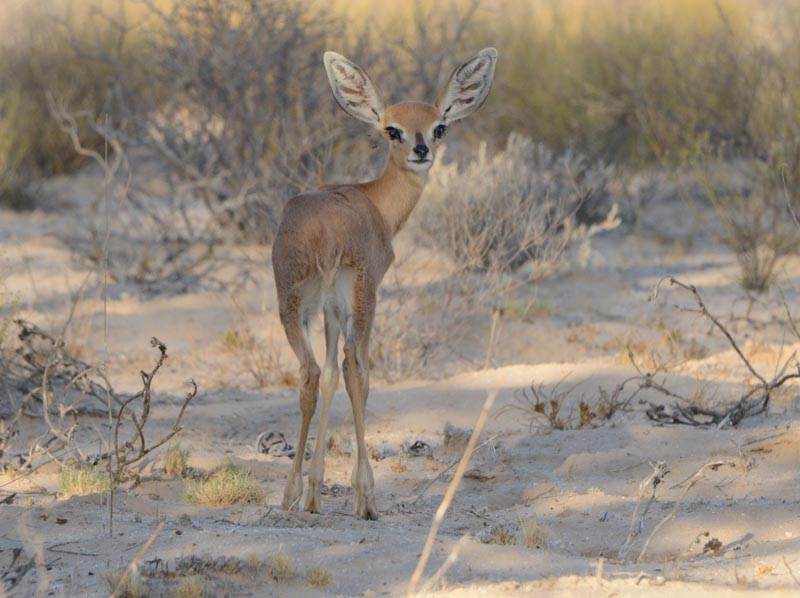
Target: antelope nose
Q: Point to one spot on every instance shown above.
(421, 150)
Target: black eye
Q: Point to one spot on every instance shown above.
(394, 133)
(439, 131)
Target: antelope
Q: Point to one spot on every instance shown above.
(334, 246)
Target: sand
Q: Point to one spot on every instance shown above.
(736, 531)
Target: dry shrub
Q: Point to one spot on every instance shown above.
(319, 577)
(228, 106)
(546, 410)
(532, 534)
(260, 358)
(513, 208)
(282, 566)
(502, 221)
(338, 442)
(190, 587)
(133, 587)
(750, 198)
(499, 534)
(229, 484)
(39, 54)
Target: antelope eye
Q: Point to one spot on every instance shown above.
(439, 131)
(394, 134)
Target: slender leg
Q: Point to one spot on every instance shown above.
(330, 380)
(295, 324)
(356, 378)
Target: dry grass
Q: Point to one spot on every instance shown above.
(190, 587)
(134, 586)
(177, 459)
(532, 534)
(499, 534)
(260, 357)
(339, 442)
(78, 481)
(319, 577)
(229, 484)
(282, 566)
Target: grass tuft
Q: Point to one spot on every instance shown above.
(229, 484)
(134, 586)
(190, 587)
(282, 566)
(532, 534)
(80, 481)
(319, 577)
(177, 459)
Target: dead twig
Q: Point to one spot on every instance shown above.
(786, 564)
(753, 402)
(135, 449)
(132, 566)
(451, 491)
(692, 480)
(654, 480)
(442, 473)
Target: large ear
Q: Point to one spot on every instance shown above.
(468, 86)
(353, 90)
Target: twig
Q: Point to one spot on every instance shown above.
(660, 471)
(692, 480)
(442, 473)
(451, 558)
(56, 548)
(132, 566)
(451, 490)
(754, 401)
(786, 564)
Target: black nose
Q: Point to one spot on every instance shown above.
(421, 150)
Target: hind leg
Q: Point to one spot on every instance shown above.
(330, 380)
(294, 317)
(356, 378)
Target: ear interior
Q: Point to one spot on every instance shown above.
(353, 90)
(468, 87)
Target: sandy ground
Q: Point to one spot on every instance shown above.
(736, 531)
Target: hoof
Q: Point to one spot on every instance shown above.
(292, 494)
(314, 498)
(365, 508)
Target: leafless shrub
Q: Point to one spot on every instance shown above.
(40, 354)
(756, 222)
(515, 208)
(126, 453)
(753, 402)
(42, 379)
(545, 409)
(501, 222)
(228, 108)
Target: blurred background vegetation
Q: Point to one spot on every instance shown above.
(230, 94)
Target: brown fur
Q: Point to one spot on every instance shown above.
(334, 246)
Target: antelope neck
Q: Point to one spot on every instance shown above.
(395, 193)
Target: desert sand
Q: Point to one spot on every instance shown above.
(736, 531)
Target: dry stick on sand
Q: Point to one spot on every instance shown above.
(132, 566)
(442, 473)
(700, 474)
(655, 478)
(753, 402)
(451, 491)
